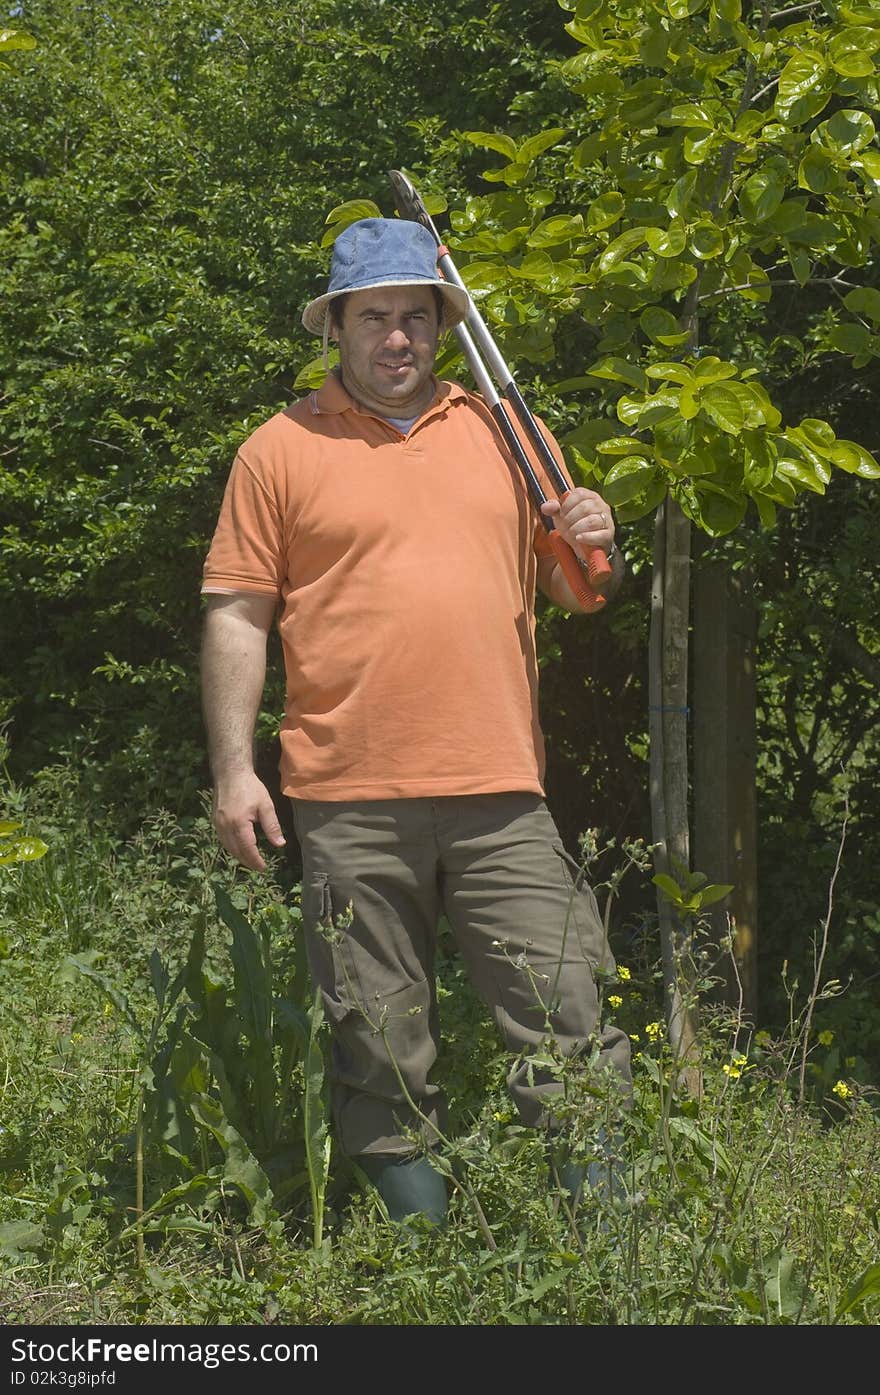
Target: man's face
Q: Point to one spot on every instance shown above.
(387, 343)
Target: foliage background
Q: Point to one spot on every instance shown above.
(167, 174)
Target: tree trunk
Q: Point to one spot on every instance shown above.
(668, 691)
(725, 754)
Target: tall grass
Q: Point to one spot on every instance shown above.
(165, 1157)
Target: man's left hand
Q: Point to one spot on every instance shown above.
(584, 520)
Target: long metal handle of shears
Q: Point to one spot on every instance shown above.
(585, 580)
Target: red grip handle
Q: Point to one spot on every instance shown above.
(573, 572)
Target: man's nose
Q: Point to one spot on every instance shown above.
(398, 336)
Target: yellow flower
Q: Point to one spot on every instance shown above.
(634, 1036)
(826, 1038)
(735, 1068)
(654, 1031)
(77, 1037)
(842, 1090)
(109, 1009)
(615, 1001)
(623, 973)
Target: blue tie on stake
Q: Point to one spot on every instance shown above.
(585, 582)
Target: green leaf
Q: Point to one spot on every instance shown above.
(867, 1285)
(802, 473)
(864, 301)
(533, 146)
(346, 213)
(19, 1238)
(492, 140)
(710, 1149)
(763, 192)
(667, 242)
(690, 115)
(670, 888)
(802, 74)
(618, 370)
(621, 246)
(818, 171)
(16, 39)
(850, 338)
(628, 478)
(720, 511)
(556, 230)
(662, 327)
(724, 407)
(620, 445)
(706, 239)
(606, 210)
(846, 132)
(855, 460)
(671, 372)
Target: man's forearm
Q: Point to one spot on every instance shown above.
(233, 673)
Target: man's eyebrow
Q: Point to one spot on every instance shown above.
(413, 309)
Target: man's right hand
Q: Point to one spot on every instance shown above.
(241, 804)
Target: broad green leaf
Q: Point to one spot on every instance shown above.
(644, 504)
(689, 114)
(16, 39)
(346, 213)
(618, 370)
(868, 164)
(509, 174)
(802, 473)
(711, 369)
(22, 850)
(534, 146)
(8, 826)
(867, 1285)
(19, 1238)
(627, 478)
(606, 210)
(724, 407)
(698, 148)
(667, 242)
(681, 194)
(670, 888)
(818, 435)
(850, 339)
(729, 10)
(621, 246)
(855, 460)
(671, 372)
(683, 9)
(492, 140)
(706, 239)
(483, 277)
(845, 133)
(620, 445)
(710, 1148)
(804, 72)
(818, 171)
(556, 230)
(661, 327)
(863, 302)
(719, 512)
(764, 191)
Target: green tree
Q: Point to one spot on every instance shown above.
(708, 157)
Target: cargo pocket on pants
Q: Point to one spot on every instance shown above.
(584, 919)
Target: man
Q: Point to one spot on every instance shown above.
(381, 522)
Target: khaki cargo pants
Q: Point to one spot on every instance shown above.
(377, 875)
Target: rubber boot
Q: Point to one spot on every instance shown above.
(408, 1186)
(601, 1179)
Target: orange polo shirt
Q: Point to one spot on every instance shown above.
(405, 571)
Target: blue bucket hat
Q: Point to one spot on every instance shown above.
(384, 252)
